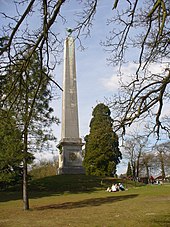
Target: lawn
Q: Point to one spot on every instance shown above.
(82, 201)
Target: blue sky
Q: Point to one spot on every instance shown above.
(92, 68)
(95, 79)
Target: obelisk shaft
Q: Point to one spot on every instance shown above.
(70, 125)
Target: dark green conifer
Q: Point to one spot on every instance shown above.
(102, 152)
(10, 151)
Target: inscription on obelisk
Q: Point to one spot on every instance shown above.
(70, 146)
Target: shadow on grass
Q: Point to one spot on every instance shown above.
(45, 187)
(58, 185)
(9, 196)
(53, 185)
(87, 202)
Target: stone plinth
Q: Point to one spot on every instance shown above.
(70, 158)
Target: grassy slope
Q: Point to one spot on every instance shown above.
(82, 201)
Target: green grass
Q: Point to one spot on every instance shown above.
(77, 201)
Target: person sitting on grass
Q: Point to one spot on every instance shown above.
(121, 187)
(113, 188)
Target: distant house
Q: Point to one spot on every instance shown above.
(159, 179)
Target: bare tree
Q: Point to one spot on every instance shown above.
(141, 27)
(129, 153)
(18, 35)
(146, 164)
(162, 158)
(134, 148)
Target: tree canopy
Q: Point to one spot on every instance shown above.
(102, 152)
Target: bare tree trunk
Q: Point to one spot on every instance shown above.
(25, 177)
(134, 170)
(137, 165)
(25, 185)
(162, 165)
(147, 171)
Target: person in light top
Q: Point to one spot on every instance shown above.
(113, 188)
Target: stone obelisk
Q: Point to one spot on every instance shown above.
(70, 145)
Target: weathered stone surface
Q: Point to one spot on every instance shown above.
(70, 146)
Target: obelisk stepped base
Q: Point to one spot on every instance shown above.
(70, 158)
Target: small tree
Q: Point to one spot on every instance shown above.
(102, 152)
(129, 170)
(147, 163)
(29, 99)
(162, 158)
(134, 148)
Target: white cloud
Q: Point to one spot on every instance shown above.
(157, 68)
(113, 82)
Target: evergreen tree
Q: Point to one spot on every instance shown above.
(11, 147)
(102, 152)
(129, 170)
(29, 98)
